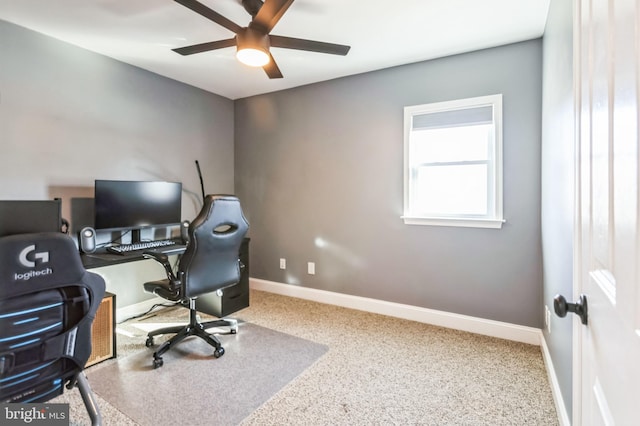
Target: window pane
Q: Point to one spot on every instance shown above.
(453, 163)
(450, 190)
(452, 144)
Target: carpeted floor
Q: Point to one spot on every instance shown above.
(384, 371)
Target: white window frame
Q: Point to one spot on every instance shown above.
(494, 217)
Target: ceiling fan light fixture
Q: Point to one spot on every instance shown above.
(253, 47)
(252, 57)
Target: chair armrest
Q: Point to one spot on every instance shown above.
(163, 259)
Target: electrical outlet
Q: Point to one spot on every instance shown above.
(311, 268)
(283, 263)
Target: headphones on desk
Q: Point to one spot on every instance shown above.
(64, 226)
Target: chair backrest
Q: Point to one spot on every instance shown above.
(210, 261)
(47, 305)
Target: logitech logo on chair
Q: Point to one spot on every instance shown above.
(29, 258)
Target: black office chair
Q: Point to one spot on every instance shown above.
(47, 305)
(209, 264)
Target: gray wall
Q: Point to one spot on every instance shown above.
(319, 172)
(558, 184)
(319, 168)
(69, 116)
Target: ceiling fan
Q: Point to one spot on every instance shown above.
(254, 41)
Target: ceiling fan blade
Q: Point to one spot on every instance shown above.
(203, 10)
(270, 13)
(272, 69)
(205, 47)
(308, 45)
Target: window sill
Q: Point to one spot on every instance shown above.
(457, 222)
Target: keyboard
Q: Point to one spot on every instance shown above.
(144, 245)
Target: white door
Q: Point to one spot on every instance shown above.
(607, 361)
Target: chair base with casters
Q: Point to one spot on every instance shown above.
(194, 328)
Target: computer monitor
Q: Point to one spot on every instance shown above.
(136, 204)
(27, 216)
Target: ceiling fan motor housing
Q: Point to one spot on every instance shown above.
(250, 38)
(252, 6)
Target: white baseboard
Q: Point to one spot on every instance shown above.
(130, 311)
(476, 325)
(561, 408)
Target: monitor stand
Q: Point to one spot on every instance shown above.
(135, 236)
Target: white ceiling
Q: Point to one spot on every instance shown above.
(381, 34)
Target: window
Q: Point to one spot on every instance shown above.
(453, 163)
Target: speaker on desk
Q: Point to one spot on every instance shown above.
(87, 239)
(184, 231)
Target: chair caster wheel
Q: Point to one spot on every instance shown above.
(157, 363)
(218, 352)
(149, 342)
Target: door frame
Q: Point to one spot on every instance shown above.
(576, 392)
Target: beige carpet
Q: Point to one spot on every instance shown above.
(384, 371)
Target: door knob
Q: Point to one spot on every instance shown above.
(561, 307)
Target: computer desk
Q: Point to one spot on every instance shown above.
(102, 257)
(233, 298)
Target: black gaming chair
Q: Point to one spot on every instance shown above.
(209, 264)
(47, 305)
